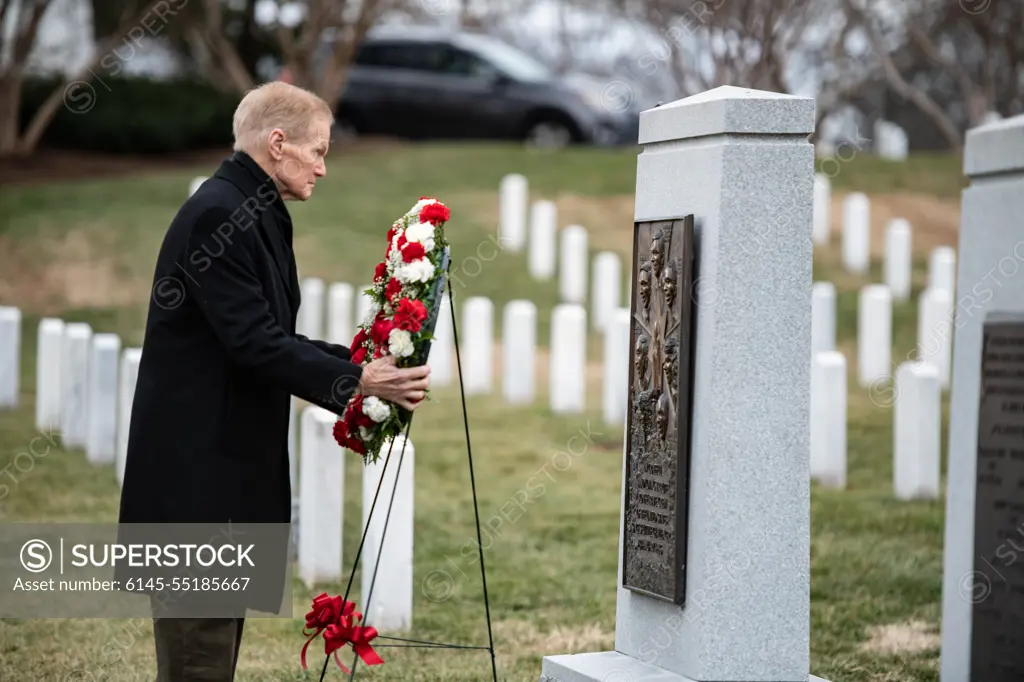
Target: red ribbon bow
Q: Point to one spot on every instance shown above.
(337, 619)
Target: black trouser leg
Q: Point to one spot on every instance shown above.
(197, 649)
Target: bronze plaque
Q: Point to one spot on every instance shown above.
(997, 584)
(658, 417)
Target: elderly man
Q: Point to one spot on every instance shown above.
(221, 359)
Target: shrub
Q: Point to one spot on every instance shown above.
(133, 115)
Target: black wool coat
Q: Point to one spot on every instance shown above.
(221, 360)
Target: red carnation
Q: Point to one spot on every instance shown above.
(355, 445)
(341, 433)
(381, 330)
(360, 338)
(381, 272)
(359, 356)
(393, 289)
(412, 251)
(435, 213)
(410, 315)
(355, 416)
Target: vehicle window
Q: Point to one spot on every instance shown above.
(398, 55)
(461, 63)
(513, 61)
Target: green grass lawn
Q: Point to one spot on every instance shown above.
(85, 251)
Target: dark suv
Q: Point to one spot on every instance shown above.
(425, 83)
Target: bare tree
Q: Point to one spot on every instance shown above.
(25, 17)
(952, 64)
(747, 43)
(214, 49)
(317, 52)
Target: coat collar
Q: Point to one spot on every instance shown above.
(242, 171)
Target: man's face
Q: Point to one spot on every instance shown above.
(301, 162)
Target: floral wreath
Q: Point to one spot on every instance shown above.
(406, 287)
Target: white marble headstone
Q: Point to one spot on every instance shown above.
(75, 380)
(321, 498)
(127, 379)
(442, 355)
(898, 266)
(513, 194)
(823, 317)
(310, 322)
(519, 331)
(387, 601)
(195, 184)
(10, 356)
(573, 263)
(607, 288)
(49, 387)
(917, 423)
(935, 331)
(340, 302)
(101, 432)
(942, 269)
(874, 334)
(856, 232)
(477, 345)
(568, 369)
(617, 357)
(828, 419)
(543, 229)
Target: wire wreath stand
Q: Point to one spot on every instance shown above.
(401, 642)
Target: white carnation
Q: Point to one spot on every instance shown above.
(422, 233)
(400, 343)
(420, 270)
(364, 434)
(375, 408)
(371, 313)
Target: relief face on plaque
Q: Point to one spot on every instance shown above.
(658, 421)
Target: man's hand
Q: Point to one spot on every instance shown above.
(405, 386)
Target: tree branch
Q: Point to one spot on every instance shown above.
(899, 84)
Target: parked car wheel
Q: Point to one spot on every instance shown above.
(549, 134)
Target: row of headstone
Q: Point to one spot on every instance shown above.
(874, 329)
(914, 391)
(568, 342)
(345, 308)
(567, 370)
(568, 249)
(387, 601)
(917, 421)
(85, 384)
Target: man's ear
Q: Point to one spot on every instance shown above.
(275, 144)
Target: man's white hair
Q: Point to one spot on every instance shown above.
(276, 105)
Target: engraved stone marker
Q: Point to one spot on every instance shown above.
(657, 426)
(997, 654)
(979, 600)
(714, 542)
